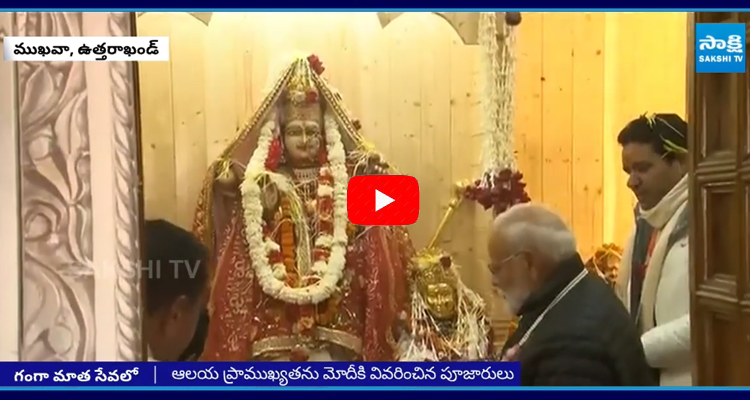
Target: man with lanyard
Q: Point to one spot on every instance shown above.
(654, 278)
(573, 330)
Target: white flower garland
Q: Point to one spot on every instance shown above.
(497, 80)
(271, 277)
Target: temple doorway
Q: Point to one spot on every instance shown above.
(720, 207)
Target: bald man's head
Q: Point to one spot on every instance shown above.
(526, 242)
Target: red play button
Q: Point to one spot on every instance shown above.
(383, 200)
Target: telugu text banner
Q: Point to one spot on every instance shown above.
(257, 374)
(85, 48)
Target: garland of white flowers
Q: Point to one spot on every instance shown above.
(271, 278)
(497, 80)
(506, 82)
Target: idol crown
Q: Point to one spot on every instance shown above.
(301, 89)
(433, 266)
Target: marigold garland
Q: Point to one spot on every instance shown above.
(287, 243)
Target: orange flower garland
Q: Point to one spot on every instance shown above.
(287, 243)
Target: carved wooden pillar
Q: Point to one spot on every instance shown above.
(81, 290)
(10, 229)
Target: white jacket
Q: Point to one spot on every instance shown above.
(665, 296)
(667, 345)
(666, 340)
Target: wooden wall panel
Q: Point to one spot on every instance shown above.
(157, 123)
(641, 75)
(588, 122)
(529, 81)
(406, 113)
(557, 113)
(188, 115)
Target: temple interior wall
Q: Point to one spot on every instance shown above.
(414, 87)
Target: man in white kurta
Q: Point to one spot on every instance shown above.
(654, 273)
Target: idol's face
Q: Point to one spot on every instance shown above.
(302, 138)
(441, 299)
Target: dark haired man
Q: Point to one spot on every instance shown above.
(654, 279)
(176, 281)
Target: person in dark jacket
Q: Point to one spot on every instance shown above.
(195, 349)
(573, 330)
(175, 283)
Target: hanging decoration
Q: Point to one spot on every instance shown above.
(501, 185)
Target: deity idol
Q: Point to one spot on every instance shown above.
(293, 280)
(606, 263)
(448, 320)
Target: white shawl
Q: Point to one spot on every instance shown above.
(664, 317)
(660, 217)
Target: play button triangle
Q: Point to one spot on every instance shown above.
(382, 200)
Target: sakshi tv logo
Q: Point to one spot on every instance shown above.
(720, 48)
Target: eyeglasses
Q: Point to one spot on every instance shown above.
(496, 267)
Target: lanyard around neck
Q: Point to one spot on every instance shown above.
(556, 300)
